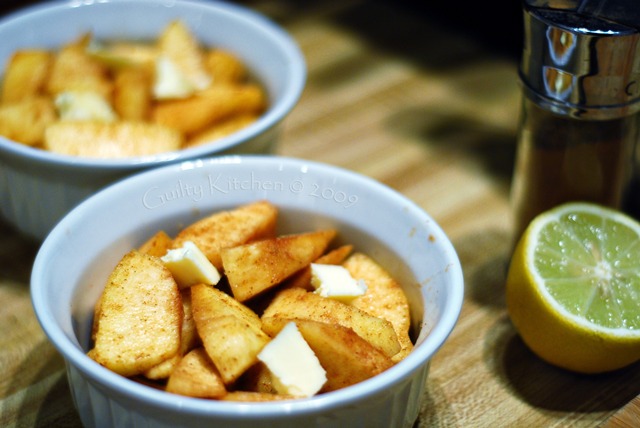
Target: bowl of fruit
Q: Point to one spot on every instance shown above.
(245, 290)
(95, 91)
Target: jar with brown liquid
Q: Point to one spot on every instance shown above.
(580, 120)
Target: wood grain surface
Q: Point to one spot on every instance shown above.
(430, 109)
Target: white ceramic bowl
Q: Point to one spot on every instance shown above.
(74, 261)
(37, 188)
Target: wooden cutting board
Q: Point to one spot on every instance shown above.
(626, 417)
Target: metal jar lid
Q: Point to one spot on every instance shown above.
(580, 65)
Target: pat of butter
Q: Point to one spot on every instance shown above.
(83, 105)
(190, 266)
(294, 366)
(335, 282)
(170, 82)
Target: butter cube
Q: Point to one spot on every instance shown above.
(170, 81)
(294, 366)
(189, 266)
(335, 282)
(83, 105)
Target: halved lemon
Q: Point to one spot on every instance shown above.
(573, 288)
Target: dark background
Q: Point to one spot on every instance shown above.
(496, 23)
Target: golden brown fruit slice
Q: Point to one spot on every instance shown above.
(196, 376)
(219, 303)
(140, 316)
(189, 340)
(224, 66)
(132, 95)
(221, 129)
(26, 121)
(179, 45)
(218, 102)
(346, 357)
(295, 303)
(74, 69)
(257, 378)
(384, 298)
(255, 267)
(98, 139)
(228, 332)
(25, 75)
(224, 229)
(255, 397)
(157, 245)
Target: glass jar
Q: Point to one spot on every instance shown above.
(579, 123)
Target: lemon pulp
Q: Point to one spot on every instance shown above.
(573, 289)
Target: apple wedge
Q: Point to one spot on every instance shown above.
(228, 332)
(196, 376)
(140, 316)
(230, 228)
(256, 267)
(384, 298)
(346, 357)
(294, 304)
